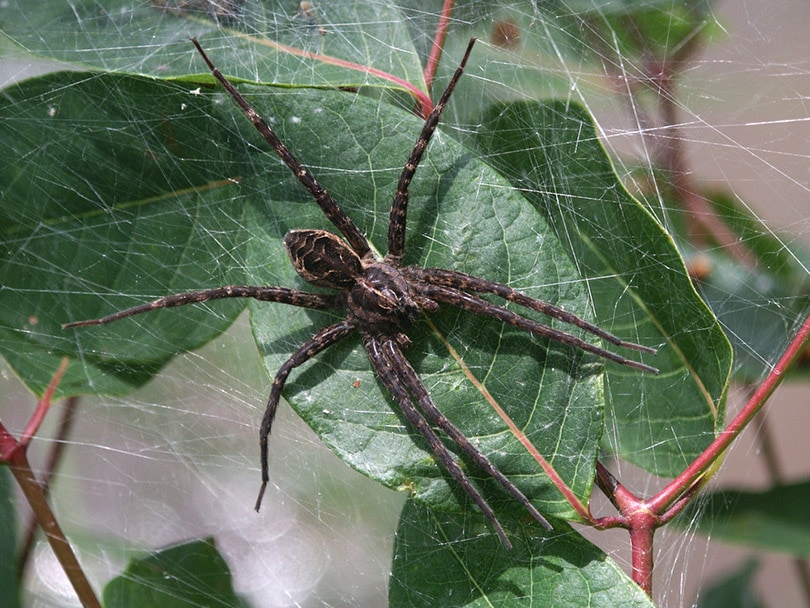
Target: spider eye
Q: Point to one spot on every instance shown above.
(322, 258)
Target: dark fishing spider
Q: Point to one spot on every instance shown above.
(382, 299)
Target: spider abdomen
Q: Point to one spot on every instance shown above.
(322, 258)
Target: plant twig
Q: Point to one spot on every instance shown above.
(438, 45)
(642, 517)
(35, 496)
(13, 453)
(637, 518)
(52, 461)
(703, 463)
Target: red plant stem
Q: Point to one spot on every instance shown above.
(638, 518)
(438, 44)
(711, 454)
(43, 405)
(642, 531)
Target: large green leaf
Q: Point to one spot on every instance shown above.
(267, 42)
(636, 280)
(448, 560)
(117, 190)
(123, 189)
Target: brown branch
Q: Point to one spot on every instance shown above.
(52, 461)
(13, 453)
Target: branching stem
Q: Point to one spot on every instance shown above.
(642, 517)
(13, 453)
(52, 461)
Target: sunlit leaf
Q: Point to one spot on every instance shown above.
(119, 190)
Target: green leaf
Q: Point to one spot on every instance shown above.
(773, 520)
(268, 43)
(185, 576)
(734, 590)
(123, 189)
(636, 280)
(449, 560)
(120, 190)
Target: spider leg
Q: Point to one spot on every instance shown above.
(322, 340)
(335, 214)
(434, 415)
(379, 355)
(476, 305)
(466, 282)
(266, 294)
(399, 207)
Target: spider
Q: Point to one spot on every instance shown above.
(382, 299)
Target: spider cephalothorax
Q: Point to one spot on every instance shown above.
(377, 296)
(381, 299)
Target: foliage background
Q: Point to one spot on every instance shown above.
(747, 127)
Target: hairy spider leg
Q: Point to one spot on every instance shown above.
(335, 214)
(322, 340)
(417, 389)
(462, 281)
(476, 305)
(399, 206)
(380, 359)
(281, 295)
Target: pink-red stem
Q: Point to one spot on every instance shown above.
(438, 45)
(13, 453)
(642, 517)
(702, 463)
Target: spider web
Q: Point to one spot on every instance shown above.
(175, 459)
